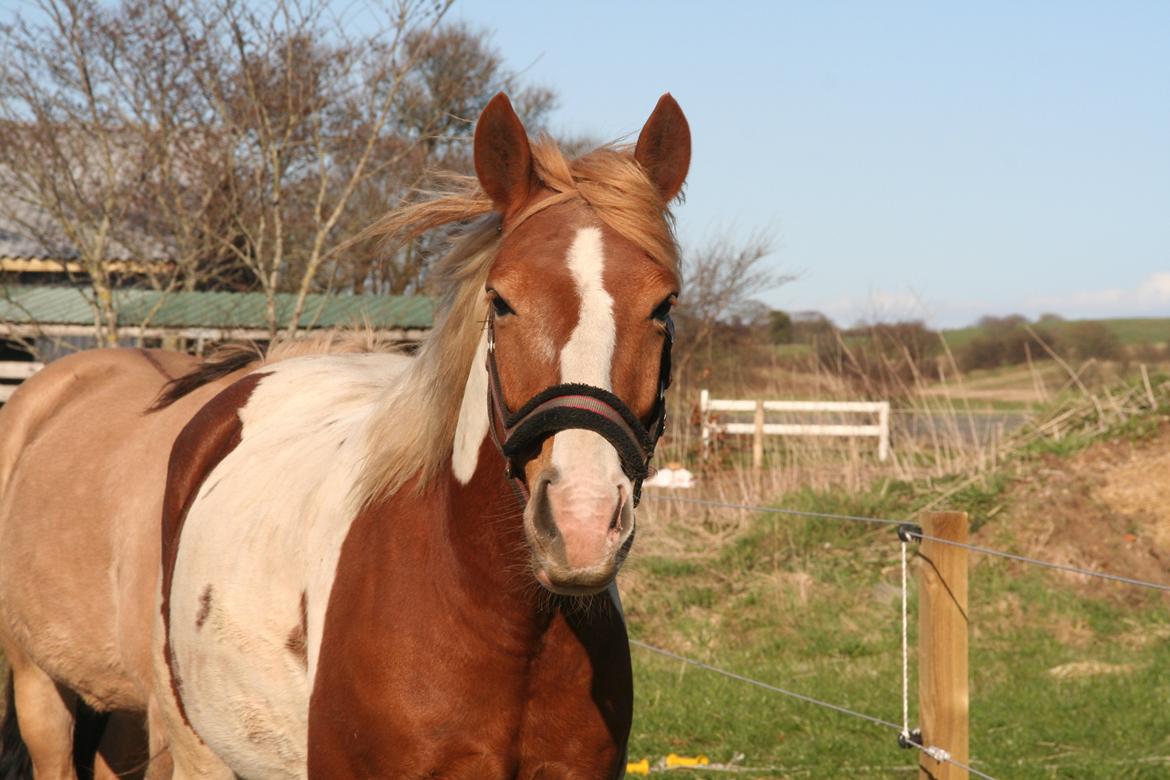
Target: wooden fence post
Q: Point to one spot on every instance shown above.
(758, 438)
(942, 645)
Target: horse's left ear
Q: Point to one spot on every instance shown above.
(664, 147)
(503, 159)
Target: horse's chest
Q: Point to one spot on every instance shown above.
(456, 710)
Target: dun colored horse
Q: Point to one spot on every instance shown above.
(368, 564)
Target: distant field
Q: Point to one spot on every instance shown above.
(1131, 331)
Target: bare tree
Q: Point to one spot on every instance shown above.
(242, 143)
(306, 111)
(457, 71)
(66, 168)
(720, 282)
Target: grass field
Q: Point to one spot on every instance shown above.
(1131, 331)
(1068, 680)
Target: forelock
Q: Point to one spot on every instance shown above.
(612, 183)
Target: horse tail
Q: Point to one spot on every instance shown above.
(15, 762)
(226, 360)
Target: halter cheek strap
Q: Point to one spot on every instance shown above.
(573, 405)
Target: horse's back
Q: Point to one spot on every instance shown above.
(53, 394)
(82, 468)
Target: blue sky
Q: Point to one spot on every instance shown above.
(930, 160)
(934, 160)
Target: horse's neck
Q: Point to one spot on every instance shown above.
(484, 525)
(484, 520)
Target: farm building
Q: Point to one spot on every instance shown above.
(52, 316)
(53, 321)
(47, 306)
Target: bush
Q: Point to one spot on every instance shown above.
(1006, 341)
(811, 327)
(885, 358)
(1090, 339)
(780, 327)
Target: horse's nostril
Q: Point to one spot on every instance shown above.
(543, 515)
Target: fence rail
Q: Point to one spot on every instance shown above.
(759, 428)
(12, 373)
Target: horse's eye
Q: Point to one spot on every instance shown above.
(662, 310)
(499, 305)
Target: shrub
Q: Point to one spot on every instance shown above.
(1006, 341)
(1090, 339)
(885, 358)
(780, 327)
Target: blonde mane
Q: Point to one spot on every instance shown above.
(412, 431)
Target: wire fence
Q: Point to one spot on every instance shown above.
(907, 530)
(918, 534)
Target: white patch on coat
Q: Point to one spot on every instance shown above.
(587, 358)
(268, 525)
(473, 418)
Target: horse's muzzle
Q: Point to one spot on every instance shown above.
(579, 532)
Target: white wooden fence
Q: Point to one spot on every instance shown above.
(758, 429)
(18, 370)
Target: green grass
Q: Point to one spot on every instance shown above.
(1130, 331)
(799, 605)
(1140, 330)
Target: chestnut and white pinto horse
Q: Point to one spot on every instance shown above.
(347, 584)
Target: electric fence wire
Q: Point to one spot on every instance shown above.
(937, 753)
(906, 530)
(1047, 564)
(918, 534)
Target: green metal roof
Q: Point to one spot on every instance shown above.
(73, 306)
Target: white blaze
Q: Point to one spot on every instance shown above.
(588, 358)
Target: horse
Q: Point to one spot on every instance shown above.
(366, 563)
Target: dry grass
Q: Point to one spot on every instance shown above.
(950, 432)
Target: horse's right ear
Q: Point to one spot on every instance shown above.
(503, 159)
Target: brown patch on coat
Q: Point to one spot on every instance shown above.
(204, 607)
(203, 443)
(512, 687)
(298, 639)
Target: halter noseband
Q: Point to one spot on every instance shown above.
(573, 405)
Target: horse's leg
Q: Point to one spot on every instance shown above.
(122, 751)
(161, 766)
(44, 712)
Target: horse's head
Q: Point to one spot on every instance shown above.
(580, 334)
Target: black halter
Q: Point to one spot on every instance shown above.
(571, 405)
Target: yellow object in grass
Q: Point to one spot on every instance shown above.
(673, 760)
(638, 767)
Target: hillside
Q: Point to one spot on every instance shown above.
(1131, 331)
